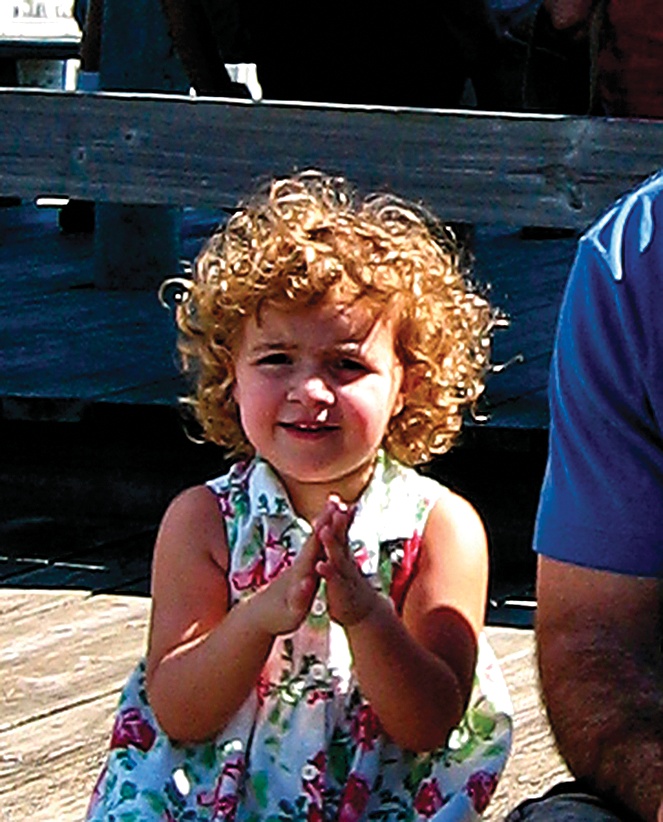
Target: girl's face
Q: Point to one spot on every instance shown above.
(316, 388)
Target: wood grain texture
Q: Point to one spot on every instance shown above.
(65, 656)
(128, 148)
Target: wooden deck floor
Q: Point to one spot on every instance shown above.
(65, 654)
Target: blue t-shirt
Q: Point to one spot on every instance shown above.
(602, 499)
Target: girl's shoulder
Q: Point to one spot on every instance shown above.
(193, 526)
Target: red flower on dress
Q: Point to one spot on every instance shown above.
(132, 729)
(226, 508)
(317, 695)
(250, 578)
(480, 787)
(223, 799)
(313, 814)
(429, 799)
(403, 570)
(263, 689)
(97, 791)
(366, 727)
(362, 556)
(313, 784)
(277, 557)
(273, 559)
(354, 800)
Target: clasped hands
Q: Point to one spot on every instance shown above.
(284, 603)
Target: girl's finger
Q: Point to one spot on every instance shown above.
(309, 554)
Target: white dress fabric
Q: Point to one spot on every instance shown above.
(306, 746)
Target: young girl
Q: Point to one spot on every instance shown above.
(315, 648)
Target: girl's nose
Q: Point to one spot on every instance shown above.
(311, 390)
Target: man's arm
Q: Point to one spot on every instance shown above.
(599, 645)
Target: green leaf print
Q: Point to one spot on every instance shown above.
(496, 750)
(263, 503)
(128, 790)
(129, 816)
(207, 756)
(419, 771)
(154, 800)
(288, 650)
(465, 751)
(340, 756)
(260, 781)
(240, 501)
(281, 506)
(385, 572)
(275, 715)
(126, 760)
(481, 724)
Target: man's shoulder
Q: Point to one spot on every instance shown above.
(625, 231)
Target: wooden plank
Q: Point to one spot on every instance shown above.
(526, 169)
(534, 765)
(66, 655)
(48, 767)
(69, 651)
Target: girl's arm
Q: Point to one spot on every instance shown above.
(417, 671)
(204, 658)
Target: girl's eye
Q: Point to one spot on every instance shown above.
(278, 358)
(350, 364)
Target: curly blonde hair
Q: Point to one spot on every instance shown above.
(307, 238)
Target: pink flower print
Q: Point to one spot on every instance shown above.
(313, 781)
(320, 761)
(365, 727)
(362, 557)
(354, 800)
(223, 800)
(250, 578)
(132, 729)
(429, 799)
(97, 791)
(313, 814)
(263, 689)
(277, 557)
(225, 505)
(317, 695)
(480, 787)
(402, 573)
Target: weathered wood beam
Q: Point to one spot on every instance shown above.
(151, 149)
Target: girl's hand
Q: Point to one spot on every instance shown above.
(282, 606)
(350, 597)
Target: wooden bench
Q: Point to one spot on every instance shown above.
(523, 169)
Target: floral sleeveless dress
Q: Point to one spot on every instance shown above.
(306, 746)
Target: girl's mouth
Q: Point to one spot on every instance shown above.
(308, 428)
